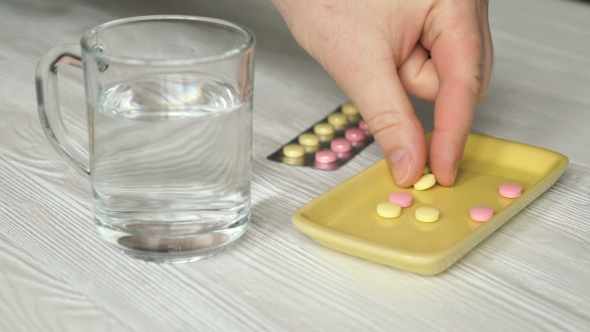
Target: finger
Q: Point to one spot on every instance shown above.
(458, 56)
(367, 73)
(488, 50)
(418, 76)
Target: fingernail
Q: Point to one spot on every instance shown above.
(454, 175)
(401, 163)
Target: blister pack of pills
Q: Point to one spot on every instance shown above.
(328, 144)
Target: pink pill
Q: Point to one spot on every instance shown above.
(340, 145)
(355, 134)
(401, 199)
(510, 190)
(481, 213)
(363, 125)
(325, 156)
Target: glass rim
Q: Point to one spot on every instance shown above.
(248, 44)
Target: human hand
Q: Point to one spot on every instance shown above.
(379, 51)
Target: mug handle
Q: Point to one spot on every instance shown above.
(48, 105)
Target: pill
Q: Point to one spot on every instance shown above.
(354, 134)
(510, 190)
(425, 182)
(481, 213)
(309, 139)
(325, 156)
(426, 214)
(426, 170)
(350, 109)
(363, 125)
(340, 145)
(337, 119)
(402, 199)
(389, 210)
(328, 166)
(343, 155)
(354, 119)
(299, 161)
(325, 138)
(323, 129)
(293, 150)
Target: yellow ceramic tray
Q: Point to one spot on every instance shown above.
(345, 218)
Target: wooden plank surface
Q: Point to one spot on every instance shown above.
(532, 274)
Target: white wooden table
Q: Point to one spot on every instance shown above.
(57, 275)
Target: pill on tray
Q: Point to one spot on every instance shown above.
(355, 134)
(325, 156)
(340, 145)
(389, 210)
(323, 129)
(309, 139)
(337, 120)
(427, 214)
(402, 199)
(481, 213)
(293, 150)
(425, 182)
(510, 190)
(350, 109)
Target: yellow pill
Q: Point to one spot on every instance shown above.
(337, 119)
(326, 138)
(350, 109)
(425, 182)
(323, 129)
(293, 151)
(427, 214)
(309, 140)
(426, 170)
(389, 210)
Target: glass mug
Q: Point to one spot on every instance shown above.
(169, 106)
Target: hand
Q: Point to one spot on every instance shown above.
(379, 51)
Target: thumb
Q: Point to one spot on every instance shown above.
(368, 75)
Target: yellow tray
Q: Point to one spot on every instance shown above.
(345, 217)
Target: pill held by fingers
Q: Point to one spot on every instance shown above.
(425, 182)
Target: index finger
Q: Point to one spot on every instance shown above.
(458, 57)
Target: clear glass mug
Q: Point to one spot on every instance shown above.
(169, 105)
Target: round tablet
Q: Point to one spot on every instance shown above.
(349, 109)
(340, 145)
(355, 134)
(402, 199)
(363, 125)
(389, 210)
(510, 190)
(309, 139)
(426, 214)
(325, 156)
(481, 213)
(425, 182)
(323, 129)
(293, 150)
(337, 119)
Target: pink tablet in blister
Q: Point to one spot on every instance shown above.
(340, 145)
(325, 156)
(355, 134)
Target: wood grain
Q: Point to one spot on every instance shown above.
(532, 274)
